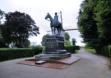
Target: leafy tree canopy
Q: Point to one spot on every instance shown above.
(103, 18)
(44, 39)
(2, 42)
(94, 24)
(18, 27)
(67, 37)
(73, 41)
(67, 43)
(87, 24)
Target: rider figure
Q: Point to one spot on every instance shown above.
(56, 22)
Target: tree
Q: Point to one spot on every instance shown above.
(73, 42)
(26, 43)
(67, 37)
(67, 43)
(103, 18)
(44, 39)
(18, 27)
(2, 42)
(88, 25)
(94, 24)
(99, 11)
(1, 15)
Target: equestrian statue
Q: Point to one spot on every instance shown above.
(54, 23)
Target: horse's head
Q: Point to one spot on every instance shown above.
(47, 16)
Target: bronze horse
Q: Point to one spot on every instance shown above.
(53, 26)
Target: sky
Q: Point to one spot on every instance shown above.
(38, 9)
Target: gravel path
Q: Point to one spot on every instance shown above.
(90, 66)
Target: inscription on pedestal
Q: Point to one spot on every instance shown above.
(53, 44)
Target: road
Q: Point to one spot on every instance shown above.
(90, 66)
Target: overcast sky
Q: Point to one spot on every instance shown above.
(38, 9)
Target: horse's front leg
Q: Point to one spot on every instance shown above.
(60, 31)
(52, 29)
(57, 30)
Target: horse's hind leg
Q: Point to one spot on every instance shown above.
(58, 30)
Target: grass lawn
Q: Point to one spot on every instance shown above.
(90, 50)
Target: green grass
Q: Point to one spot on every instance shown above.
(90, 50)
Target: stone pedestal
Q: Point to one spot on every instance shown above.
(54, 48)
(54, 44)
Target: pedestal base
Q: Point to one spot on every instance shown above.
(56, 64)
(54, 48)
(52, 56)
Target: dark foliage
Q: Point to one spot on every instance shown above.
(95, 24)
(12, 53)
(73, 42)
(67, 36)
(18, 27)
(44, 39)
(72, 49)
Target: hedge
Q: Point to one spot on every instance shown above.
(12, 53)
(37, 49)
(109, 47)
(77, 47)
(72, 49)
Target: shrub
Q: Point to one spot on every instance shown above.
(67, 43)
(12, 53)
(37, 49)
(71, 49)
(8, 53)
(109, 47)
(90, 50)
(43, 49)
(77, 47)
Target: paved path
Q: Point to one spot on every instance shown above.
(90, 66)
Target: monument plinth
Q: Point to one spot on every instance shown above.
(54, 48)
(54, 44)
